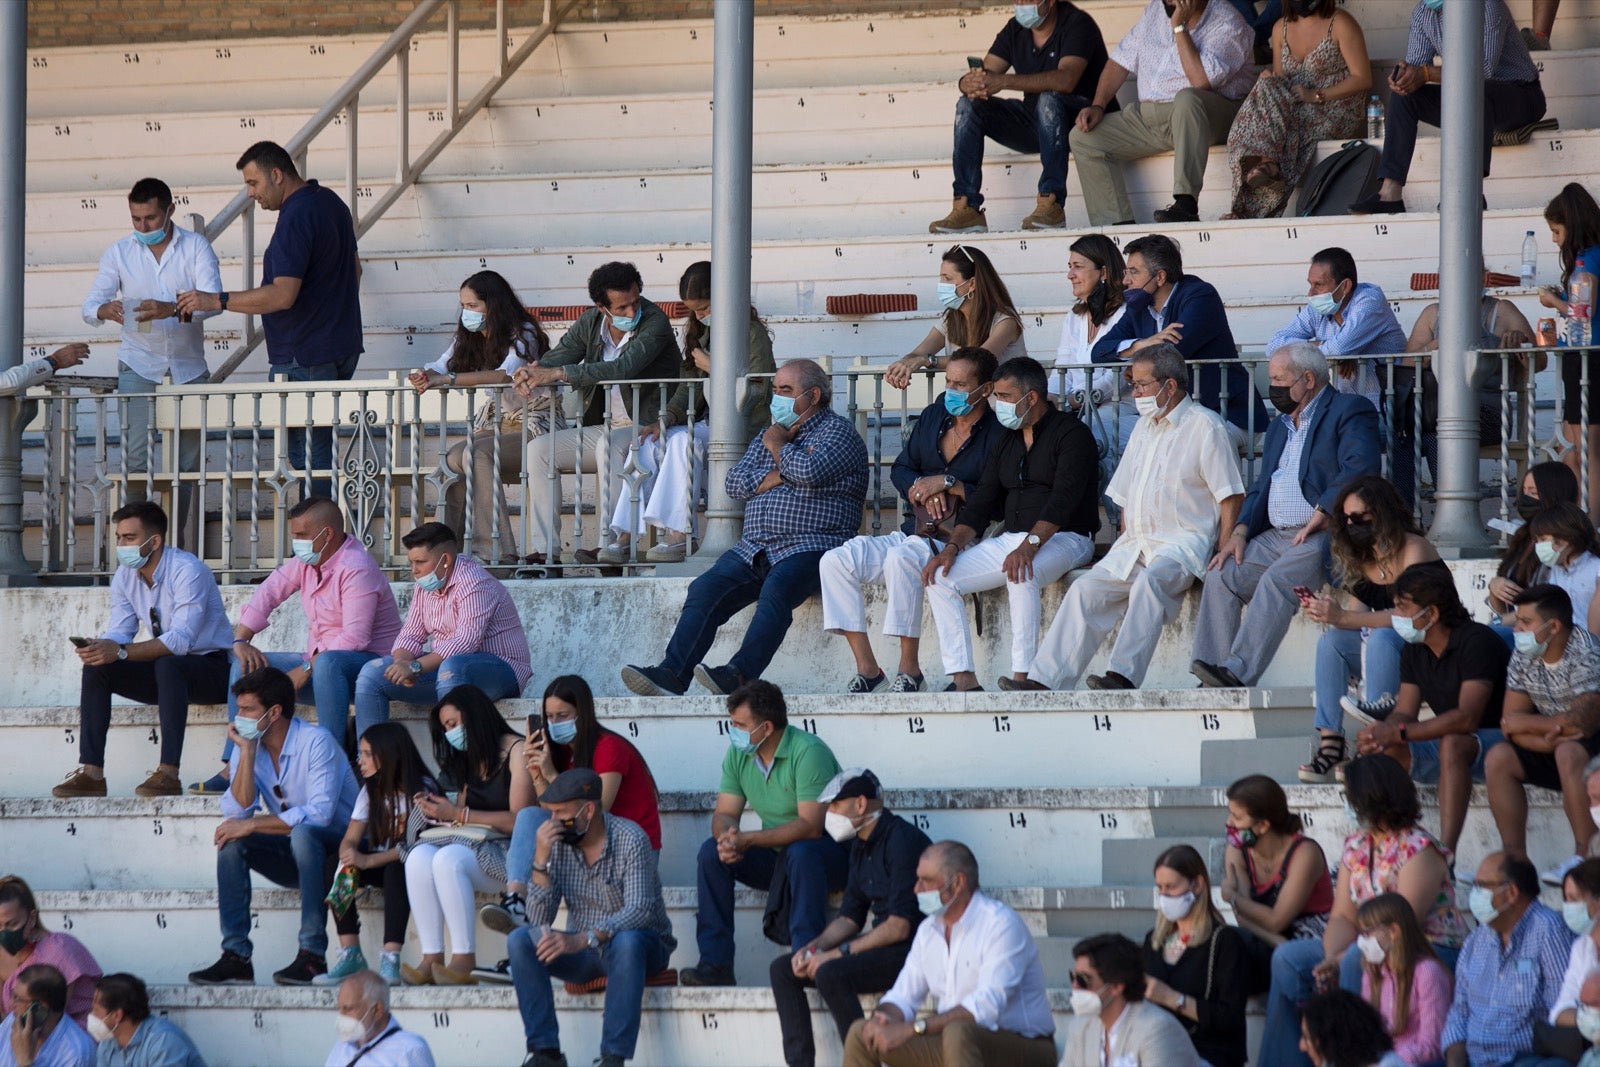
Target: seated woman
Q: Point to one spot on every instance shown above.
(477, 750)
(1574, 221)
(1373, 538)
(495, 336)
(1194, 962)
(1544, 486)
(978, 310)
(24, 942)
(1580, 894)
(1094, 271)
(1565, 541)
(1402, 978)
(1274, 876)
(384, 825)
(1316, 91)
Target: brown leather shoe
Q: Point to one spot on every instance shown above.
(159, 784)
(962, 219)
(79, 784)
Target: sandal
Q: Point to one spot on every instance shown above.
(1327, 759)
(1262, 175)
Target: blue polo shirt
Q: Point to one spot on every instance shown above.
(314, 241)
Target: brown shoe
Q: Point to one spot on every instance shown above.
(159, 784)
(445, 976)
(1048, 214)
(962, 219)
(79, 784)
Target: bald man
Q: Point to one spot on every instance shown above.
(351, 614)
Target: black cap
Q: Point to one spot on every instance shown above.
(580, 783)
(852, 782)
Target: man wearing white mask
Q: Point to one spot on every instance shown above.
(1178, 477)
(847, 959)
(1115, 1025)
(1589, 1019)
(129, 1035)
(368, 1034)
(977, 961)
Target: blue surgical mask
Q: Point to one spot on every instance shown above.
(1027, 15)
(1407, 628)
(948, 297)
(930, 904)
(627, 325)
(783, 412)
(739, 740)
(249, 729)
(1324, 304)
(1481, 901)
(1433, 5)
(956, 402)
(306, 552)
(1547, 552)
(132, 556)
(432, 583)
(1528, 643)
(1008, 414)
(1576, 914)
(151, 239)
(456, 737)
(472, 321)
(563, 733)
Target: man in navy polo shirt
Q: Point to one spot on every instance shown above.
(309, 300)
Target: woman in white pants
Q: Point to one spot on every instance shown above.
(474, 746)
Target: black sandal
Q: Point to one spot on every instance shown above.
(1328, 757)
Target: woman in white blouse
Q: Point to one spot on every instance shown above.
(1580, 901)
(1565, 541)
(978, 310)
(1094, 270)
(495, 336)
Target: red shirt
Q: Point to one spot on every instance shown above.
(636, 796)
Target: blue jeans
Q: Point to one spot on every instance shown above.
(373, 691)
(333, 680)
(321, 440)
(1425, 757)
(626, 960)
(524, 841)
(1036, 124)
(815, 867)
(299, 859)
(730, 585)
(1339, 658)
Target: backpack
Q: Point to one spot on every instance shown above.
(1348, 175)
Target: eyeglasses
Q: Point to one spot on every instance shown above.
(1147, 386)
(1491, 886)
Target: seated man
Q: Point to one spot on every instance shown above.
(624, 336)
(1323, 440)
(603, 869)
(1057, 54)
(349, 609)
(1116, 1024)
(803, 483)
(1510, 967)
(185, 661)
(368, 1034)
(129, 1035)
(976, 959)
(39, 1032)
(26, 375)
(937, 470)
(780, 777)
(1457, 668)
(1193, 63)
(466, 620)
(1512, 95)
(1166, 305)
(1589, 1005)
(288, 805)
(1551, 722)
(1042, 481)
(1179, 475)
(846, 959)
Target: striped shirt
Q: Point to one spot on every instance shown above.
(1287, 506)
(472, 613)
(1501, 989)
(622, 891)
(1505, 55)
(817, 505)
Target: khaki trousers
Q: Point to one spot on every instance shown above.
(962, 1044)
(1188, 126)
(489, 506)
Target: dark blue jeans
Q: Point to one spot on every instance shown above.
(815, 868)
(1506, 106)
(321, 440)
(626, 960)
(299, 859)
(1038, 124)
(730, 585)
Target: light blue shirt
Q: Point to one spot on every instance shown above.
(311, 784)
(1501, 990)
(188, 606)
(156, 1043)
(67, 1046)
(1369, 327)
(1287, 506)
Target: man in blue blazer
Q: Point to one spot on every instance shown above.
(1165, 304)
(1324, 440)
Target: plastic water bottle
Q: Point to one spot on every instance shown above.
(1374, 118)
(1580, 302)
(1530, 259)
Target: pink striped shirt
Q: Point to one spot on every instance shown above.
(347, 602)
(472, 613)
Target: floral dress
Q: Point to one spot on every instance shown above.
(1275, 125)
(1374, 862)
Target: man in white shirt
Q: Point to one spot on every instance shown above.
(1115, 1025)
(24, 376)
(368, 1034)
(977, 960)
(1180, 473)
(1193, 60)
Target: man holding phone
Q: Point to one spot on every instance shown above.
(38, 1030)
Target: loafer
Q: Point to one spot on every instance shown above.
(720, 680)
(1371, 205)
(159, 784)
(951, 688)
(214, 786)
(230, 969)
(1026, 685)
(1213, 676)
(1108, 680)
(706, 974)
(445, 976)
(307, 968)
(545, 1057)
(410, 975)
(79, 784)
(1176, 212)
(651, 682)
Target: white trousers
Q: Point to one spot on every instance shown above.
(441, 881)
(1145, 604)
(893, 560)
(672, 492)
(981, 567)
(586, 448)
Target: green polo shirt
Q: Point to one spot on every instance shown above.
(800, 768)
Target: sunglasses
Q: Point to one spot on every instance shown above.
(1080, 980)
(1358, 518)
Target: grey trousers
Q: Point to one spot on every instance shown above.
(137, 412)
(1273, 565)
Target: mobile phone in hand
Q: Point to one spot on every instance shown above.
(79, 642)
(1303, 592)
(535, 726)
(975, 62)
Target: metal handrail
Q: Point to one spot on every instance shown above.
(346, 101)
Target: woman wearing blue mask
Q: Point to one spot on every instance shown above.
(1580, 902)
(495, 336)
(1544, 485)
(978, 310)
(1564, 541)
(478, 752)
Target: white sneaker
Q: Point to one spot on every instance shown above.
(1558, 874)
(667, 552)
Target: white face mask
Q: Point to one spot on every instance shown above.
(1371, 950)
(1594, 813)
(351, 1030)
(1175, 908)
(98, 1029)
(840, 827)
(1085, 1002)
(1589, 1023)
(1576, 914)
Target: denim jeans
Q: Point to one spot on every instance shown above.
(732, 584)
(299, 859)
(333, 681)
(373, 691)
(815, 868)
(524, 841)
(1037, 124)
(321, 440)
(626, 960)
(1339, 659)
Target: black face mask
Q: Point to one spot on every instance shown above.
(1527, 507)
(1361, 534)
(570, 834)
(1279, 395)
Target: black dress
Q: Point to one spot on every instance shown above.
(1212, 975)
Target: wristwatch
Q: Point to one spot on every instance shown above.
(1182, 1000)
(844, 948)
(416, 666)
(593, 940)
(122, 651)
(919, 1027)
(1035, 540)
(949, 482)
(222, 298)
(541, 870)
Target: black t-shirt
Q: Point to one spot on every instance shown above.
(1075, 35)
(883, 873)
(1473, 653)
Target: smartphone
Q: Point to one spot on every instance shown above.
(79, 642)
(1303, 592)
(975, 62)
(535, 725)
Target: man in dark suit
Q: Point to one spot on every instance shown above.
(1166, 305)
(1324, 440)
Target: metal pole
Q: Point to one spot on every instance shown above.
(14, 569)
(1457, 525)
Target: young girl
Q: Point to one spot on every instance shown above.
(1574, 221)
(1565, 541)
(1402, 977)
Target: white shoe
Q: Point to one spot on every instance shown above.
(615, 554)
(1558, 874)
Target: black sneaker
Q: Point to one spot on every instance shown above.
(720, 680)
(306, 966)
(231, 969)
(1369, 711)
(545, 1057)
(862, 684)
(505, 916)
(706, 974)
(499, 974)
(1182, 209)
(610, 1059)
(651, 682)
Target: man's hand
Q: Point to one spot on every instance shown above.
(527, 379)
(942, 562)
(649, 432)
(771, 480)
(892, 1035)
(731, 846)
(1089, 117)
(1314, 525)
(556, 944)
(299, 676)
(1232, 548)
(800, 962)
(1406, 79)
(1377, 737)
(1169, 336)
(70, 355)
(98, 653)
(25, 1040)
(250, 657)
(1018, 563)
(817, 960)
(1346, 368)
(233, 829)
(975, 84)
(1182, 12)
(192, 300)
(900, 371)
(110, 311)
(399, 672)
(775, 437)
(1325, 975)
(1514, 338)
(151, 310)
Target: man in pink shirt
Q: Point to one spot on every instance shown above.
(462, 629)
(351, 614)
